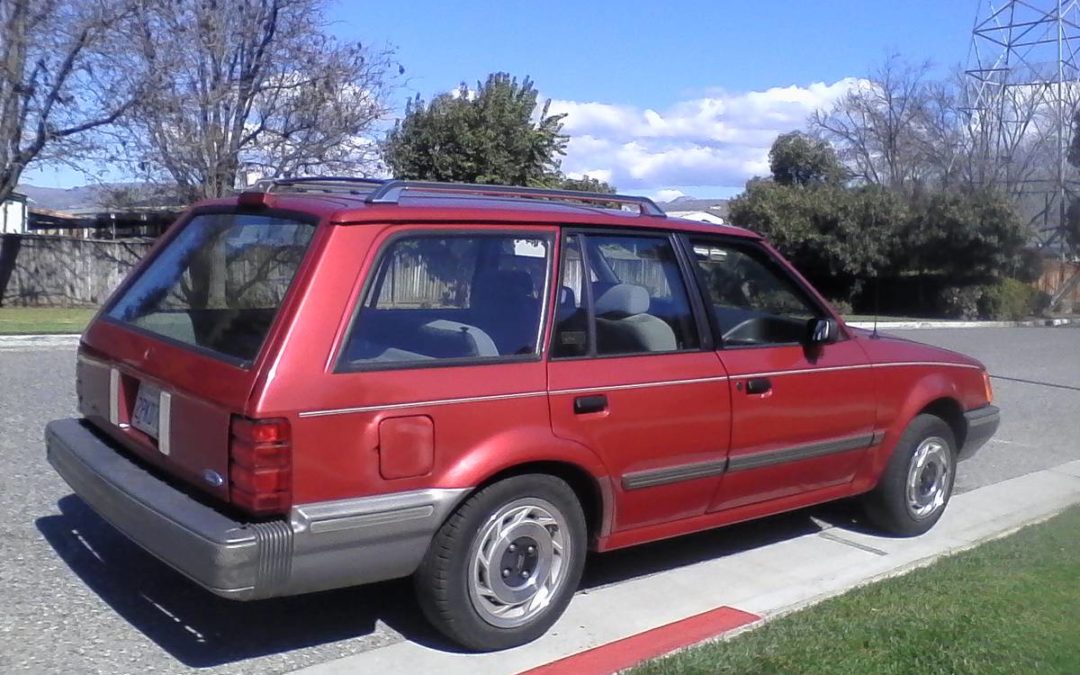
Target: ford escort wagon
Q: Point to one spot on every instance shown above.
(326, 382)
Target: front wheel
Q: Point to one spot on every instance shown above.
(504, 566)
(918, 481)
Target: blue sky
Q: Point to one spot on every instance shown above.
(661, 97)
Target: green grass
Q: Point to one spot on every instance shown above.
(1008, 606)
(24, 320)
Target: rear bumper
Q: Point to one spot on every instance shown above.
(982, 423)
(319, 546)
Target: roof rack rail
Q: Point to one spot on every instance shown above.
(346, 184)
(390, 192)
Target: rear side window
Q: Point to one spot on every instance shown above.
(444, 298)
(639, 301)
(219, 283)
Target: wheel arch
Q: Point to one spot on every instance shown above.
(593, 494)
(935, 393)
(535, 450)
(951, 412)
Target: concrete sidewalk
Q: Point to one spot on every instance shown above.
(768, 581)
(913, 324)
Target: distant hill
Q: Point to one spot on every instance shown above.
(686, 206)
(88, 198)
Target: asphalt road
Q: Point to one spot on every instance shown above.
(78, 597)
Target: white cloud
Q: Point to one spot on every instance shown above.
(667, 195)
(721, 139)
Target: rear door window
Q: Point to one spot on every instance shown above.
(218, 284)
(436, 299)
(639, 301)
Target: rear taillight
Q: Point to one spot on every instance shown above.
(260, 465)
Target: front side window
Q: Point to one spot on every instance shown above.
(218, 284)
(753, 299)
(639, 301)
(434, 298)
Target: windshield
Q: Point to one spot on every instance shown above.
(219, 283)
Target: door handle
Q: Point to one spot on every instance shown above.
(758, 385)
(584, 405)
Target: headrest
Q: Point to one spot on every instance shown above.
(567, 298)
(625, 299)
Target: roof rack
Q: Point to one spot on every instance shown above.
(346, 184)
(390, 192)
(378, 191)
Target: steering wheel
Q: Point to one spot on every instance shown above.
(732, 334)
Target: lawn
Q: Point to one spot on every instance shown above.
(1009, 606)
(26, 320)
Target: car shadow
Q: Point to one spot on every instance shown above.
(202, 630)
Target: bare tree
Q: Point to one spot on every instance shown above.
(62, 78)
(875, 126)
(253, 85)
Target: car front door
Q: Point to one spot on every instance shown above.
(630, 377)
(802, 414)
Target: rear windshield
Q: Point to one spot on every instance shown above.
(219, 283)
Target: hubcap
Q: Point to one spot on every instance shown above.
(929, 476)
(518, 562)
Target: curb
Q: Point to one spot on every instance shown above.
(910, 325)
(12, 343)
(628, 652)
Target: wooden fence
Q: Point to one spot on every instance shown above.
(1060, 278)
(42, 271)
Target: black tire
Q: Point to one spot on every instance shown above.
(891, 506)
(460, 605)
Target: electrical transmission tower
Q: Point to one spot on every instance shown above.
(1023, 88)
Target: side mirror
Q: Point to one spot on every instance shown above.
(822, 331)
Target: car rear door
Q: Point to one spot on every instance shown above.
(629, 376)
(802, 415)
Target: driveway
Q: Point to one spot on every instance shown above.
(78, 597)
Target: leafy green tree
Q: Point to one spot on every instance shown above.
(841, 236)
(496, 134)
(1072, 216)
(583, 184)
(798, 159)
(836, 236)
(963, 236)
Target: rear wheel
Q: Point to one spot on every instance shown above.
(918, 481)
(504, 566)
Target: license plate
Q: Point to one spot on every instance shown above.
(146, 416)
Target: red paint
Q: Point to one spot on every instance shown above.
(503, 416)
(628, 652)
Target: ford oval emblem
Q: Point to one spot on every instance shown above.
(213, 477)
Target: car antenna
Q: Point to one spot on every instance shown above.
(877, 304)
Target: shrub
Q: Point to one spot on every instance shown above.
(1005, 299)
(962, 302)
(1008, 299)
(842, 307)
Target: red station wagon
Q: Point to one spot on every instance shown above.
(331, 381)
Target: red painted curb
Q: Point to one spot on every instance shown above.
(621, 654)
